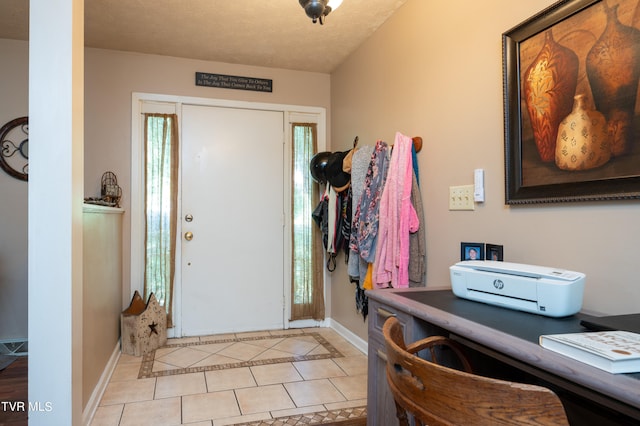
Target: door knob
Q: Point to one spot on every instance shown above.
(188, 236)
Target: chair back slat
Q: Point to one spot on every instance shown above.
(435, 394)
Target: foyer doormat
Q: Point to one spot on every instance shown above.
(213, 353)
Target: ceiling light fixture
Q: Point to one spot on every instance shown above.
(318, 9)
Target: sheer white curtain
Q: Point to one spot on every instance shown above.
(307, 290)
(161, 195)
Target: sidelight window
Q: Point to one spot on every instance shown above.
(161, 194)
(307, 298)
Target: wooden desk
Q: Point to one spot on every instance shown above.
(503, 343)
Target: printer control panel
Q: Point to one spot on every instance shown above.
(567, 275)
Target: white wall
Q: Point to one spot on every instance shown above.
(13, 195)
(111, 77)
(429, 71)
(435, 70)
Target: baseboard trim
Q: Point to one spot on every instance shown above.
(98, 391)
(351, 337)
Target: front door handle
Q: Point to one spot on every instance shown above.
(188, 236)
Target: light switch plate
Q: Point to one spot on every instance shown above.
(461, 197)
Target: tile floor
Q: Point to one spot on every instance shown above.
(245, 378)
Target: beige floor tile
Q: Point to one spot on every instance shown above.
(213, 348)
(160, 352)
(250, 334)
(296, 346)
(124, 358)
(272, 354)
(318, 369)
(319, 350)
(296, 411)
(161, 366)
(183, 357)
(182, 340)
(129, 391)
(346, 348)
(306, 338)
(165, 412)
(263, 398)
(353, 365)
(179, 385)
(332, 335)
(217, 337)
(275, 373)
(233, 378)
(265, 343)
(125, 371)
(313, 392)
(250, 418)
(208, 406)
(327, 333)
(287, 332)
(241, 351)
(237, 395)
(346, 404)
(352, 387)
(215, 359)
(108, 415)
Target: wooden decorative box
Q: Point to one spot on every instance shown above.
(143, 327)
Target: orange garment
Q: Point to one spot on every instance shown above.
(368, 278)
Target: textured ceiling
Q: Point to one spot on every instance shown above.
(270, 33)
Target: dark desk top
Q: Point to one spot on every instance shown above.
(511, 333)
(517, 323)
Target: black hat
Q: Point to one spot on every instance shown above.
(317, 166)
(335, 171)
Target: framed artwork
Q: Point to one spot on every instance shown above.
(572, 127)
(471, 251)
(494, 252)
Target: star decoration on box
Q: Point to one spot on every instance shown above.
(153, 326)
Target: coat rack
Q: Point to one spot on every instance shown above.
(417, 143)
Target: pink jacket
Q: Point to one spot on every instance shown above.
(398, 219)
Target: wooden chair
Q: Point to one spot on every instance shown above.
(438, 395)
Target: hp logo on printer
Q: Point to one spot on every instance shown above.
(498, 284)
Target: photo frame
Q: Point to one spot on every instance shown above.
(548, 61)
(494, 252)
(471, 251)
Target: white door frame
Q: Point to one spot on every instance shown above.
(145, 102)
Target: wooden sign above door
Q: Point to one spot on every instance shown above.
(234, 82)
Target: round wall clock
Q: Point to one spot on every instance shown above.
(14, 148)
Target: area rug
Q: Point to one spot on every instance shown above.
(356, 416)
(324, 351)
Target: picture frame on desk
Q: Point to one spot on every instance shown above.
(494, 252)
(471, 251)
(549, 61)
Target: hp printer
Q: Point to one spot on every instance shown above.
(537, 289)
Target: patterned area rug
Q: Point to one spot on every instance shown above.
(347, 416)
(283, 348)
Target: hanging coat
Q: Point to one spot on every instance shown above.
(398, 219)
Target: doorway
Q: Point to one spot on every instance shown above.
(232, 220)
(224, 186)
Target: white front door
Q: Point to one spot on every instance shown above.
(232, 204)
